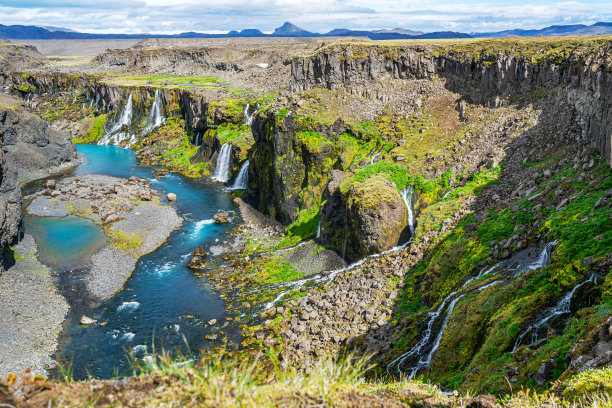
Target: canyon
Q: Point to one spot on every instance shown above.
(440, 208)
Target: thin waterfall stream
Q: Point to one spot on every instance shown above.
(242, 180)
(156, 114)
(419, 356)
(561, 308)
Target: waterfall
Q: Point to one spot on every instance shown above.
(371, 152)
(115, 134)
(248, 118)
(562, 307)
(376, 155)
(407, 195)
(156, 116)
(421, 349)
(318, 230)
(542, 262)
(417, 348)
(198, 139)
(484, 272)
(96, 102)
(242, 181)
(222, 170)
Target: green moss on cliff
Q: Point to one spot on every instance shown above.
(239, 136)
(96, 130)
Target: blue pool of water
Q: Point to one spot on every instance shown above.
(163, 302)
(65, 242)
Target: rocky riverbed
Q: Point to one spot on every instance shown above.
(130, 213)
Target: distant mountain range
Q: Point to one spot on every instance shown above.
(553, 31)
(25, 32)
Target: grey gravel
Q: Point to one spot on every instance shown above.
(31, 313)
(111, 268)
(47, 207)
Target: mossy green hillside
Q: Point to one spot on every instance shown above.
(478, 360)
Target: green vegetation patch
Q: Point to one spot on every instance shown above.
(96, 130)
(128, 243)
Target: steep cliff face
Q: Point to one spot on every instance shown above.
(370, 218)
(290, 168)
(36, 148)
(11, 225)
(492, 73)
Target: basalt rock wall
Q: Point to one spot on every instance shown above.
(287, 172)
(11, 224)
(490, 73)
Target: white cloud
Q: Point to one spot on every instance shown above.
(172, 16)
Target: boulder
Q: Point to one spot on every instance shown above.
(369, 219)
(221, 217)
(199, 251)
(144, 195)
(377, 216)
(112, 218)
(196, 262)
(50, 184)
(542, 376)
(171, 197)
(87, 321)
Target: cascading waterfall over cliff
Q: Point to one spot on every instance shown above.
(424, 350)
(248, 117)
(407, 195)
(156, 116)
(242, 181)
(562, 307)
(114, 132)
(542, 261)
(222, 172)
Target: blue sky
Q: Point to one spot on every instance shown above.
(175, 16)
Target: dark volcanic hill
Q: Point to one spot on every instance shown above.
(291, 30)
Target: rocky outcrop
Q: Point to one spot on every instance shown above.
(161, 60)
(369, 219)
(11, 223)
(594, 351)
(36, 148)
(492, 73)
(17, 56)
